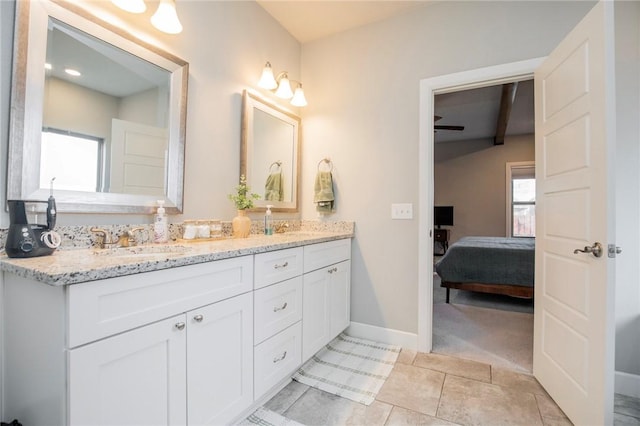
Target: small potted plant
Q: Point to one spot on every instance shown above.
(243, 200)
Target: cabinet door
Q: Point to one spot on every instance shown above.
(135, 378)
(340, 297)
(220, 360)
(316, 329)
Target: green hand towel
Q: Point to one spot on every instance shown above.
(273, 188)
(323, 192)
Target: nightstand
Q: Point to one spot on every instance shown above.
(441, 236)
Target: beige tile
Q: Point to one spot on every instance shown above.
(317, 407)
(627, 405)
(401, 416)
(516, 381)
(556, 421)
(411, 387)
(548, 407)
(470, 402)
(407, 356)
(456, 366)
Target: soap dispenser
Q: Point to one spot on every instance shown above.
(160, 225)
(268, 221)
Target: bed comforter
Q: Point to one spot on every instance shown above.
(489, 260)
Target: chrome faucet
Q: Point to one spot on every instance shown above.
(281, 227)
(127, 239)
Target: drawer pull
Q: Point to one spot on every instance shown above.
(280, 358)
(332, 270)
(283, 307)
(198, 318)
(180, 326)
(284, 265)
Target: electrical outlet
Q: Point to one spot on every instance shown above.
(402, 211)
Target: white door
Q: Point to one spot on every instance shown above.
(138, 158)
(574, 319)
(220, 360)
(135, 378)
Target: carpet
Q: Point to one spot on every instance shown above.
(349, 367)
(490, 328)
(264, 417)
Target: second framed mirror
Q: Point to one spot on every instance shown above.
(270, 153)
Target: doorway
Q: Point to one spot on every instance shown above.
(429, 88)
(479, 131)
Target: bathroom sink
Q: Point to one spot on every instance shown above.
(146, 252)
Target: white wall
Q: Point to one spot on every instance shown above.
(471, 176)
(627, 15)
(363, 93)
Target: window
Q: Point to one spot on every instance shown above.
(74, 160)
(521, 199)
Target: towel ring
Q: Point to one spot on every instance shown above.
(328, 161)
(278, 164)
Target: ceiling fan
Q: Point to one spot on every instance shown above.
(445, 127)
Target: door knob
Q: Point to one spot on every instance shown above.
(198, 318)
(595, 249)
(180, 326)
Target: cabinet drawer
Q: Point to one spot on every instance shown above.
(277, 307)
(276, 266)
(106, 307)
(276, 358)
(318, 256)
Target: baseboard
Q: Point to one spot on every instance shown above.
(627, 384)
(383, 335)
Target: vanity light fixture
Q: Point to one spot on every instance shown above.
(282, 86)
(164, 19)
(47, 66)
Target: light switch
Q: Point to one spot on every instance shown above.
(402, 211)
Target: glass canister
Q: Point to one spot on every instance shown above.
(190, 231)
(203, 230)
(215, 227)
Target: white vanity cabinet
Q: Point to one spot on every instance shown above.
(165, 348)
(327, 294)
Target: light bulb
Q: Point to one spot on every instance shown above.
(284, 88)
(133, 6)
(298, 97)
(267, 81)
(166, 19)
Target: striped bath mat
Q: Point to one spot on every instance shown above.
(264, 417)
(350, 367)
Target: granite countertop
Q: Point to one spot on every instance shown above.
(82, 265)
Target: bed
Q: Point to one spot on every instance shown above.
(489, 265)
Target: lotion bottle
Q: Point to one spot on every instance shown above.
(268, 221)
(160, 225)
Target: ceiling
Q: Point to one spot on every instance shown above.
(309, 20)
(476, 109)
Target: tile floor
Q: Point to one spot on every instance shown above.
(433, 389)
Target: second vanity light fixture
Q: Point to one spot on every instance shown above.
(282, 86)
(165, 19)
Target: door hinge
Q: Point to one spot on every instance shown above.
(613, 250)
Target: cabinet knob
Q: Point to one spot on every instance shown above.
(280, 358)
(332, 270)
(280, 308)
(284, 265)
(198, 318)
(180, 325)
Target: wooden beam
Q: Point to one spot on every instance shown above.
(506, 103)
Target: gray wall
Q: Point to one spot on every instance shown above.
(471, 176)
(363, 92)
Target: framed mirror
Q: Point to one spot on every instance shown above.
(270, 153)
(95, 113)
